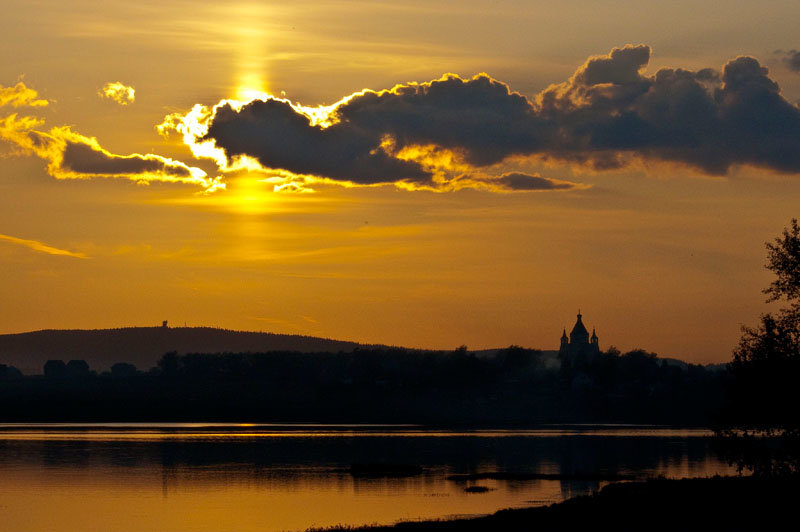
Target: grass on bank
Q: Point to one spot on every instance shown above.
(708, 504)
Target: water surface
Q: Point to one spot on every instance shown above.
(265, 477)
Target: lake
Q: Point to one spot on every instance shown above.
(182, 477)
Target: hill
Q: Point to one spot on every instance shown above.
(143, 346)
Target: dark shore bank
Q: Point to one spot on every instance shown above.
(718, 503)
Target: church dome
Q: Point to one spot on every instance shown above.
(578, 347)
(579, 333)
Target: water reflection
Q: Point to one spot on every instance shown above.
(272, 477)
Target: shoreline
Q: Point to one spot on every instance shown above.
(711, 503)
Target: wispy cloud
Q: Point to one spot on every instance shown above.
(118, 92)
(791, 59)
(74, 156)
(515, 182)
(42, 247)
(20, 96)
(71, 155)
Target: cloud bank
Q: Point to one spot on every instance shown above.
(118, 92)
(607, 115)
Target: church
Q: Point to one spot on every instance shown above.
(578, 346)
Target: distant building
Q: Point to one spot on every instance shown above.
(578, 347)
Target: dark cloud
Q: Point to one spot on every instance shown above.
(792, 60)
(71, 155)
(279, 137)
(606, 115)
(479, 118)
(699, 118)
(520, 182)
(509, 182)
(84, 159)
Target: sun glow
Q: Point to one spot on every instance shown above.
(250, 195)
(251, 56)
(251, 86)
(248, 93)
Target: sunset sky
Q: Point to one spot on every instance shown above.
(416, 173)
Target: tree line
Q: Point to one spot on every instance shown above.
(509, 386)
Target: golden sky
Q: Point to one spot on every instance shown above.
(425, 174)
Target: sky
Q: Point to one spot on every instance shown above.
(424, 174)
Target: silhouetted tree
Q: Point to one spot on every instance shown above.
(169, 364)
(8, 373)
(377, 385)
(612, 351)
(763, 422)
(783, 259)
(123, 369)
(55, 369)
(77, 368)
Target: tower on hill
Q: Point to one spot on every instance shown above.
(579, 346)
